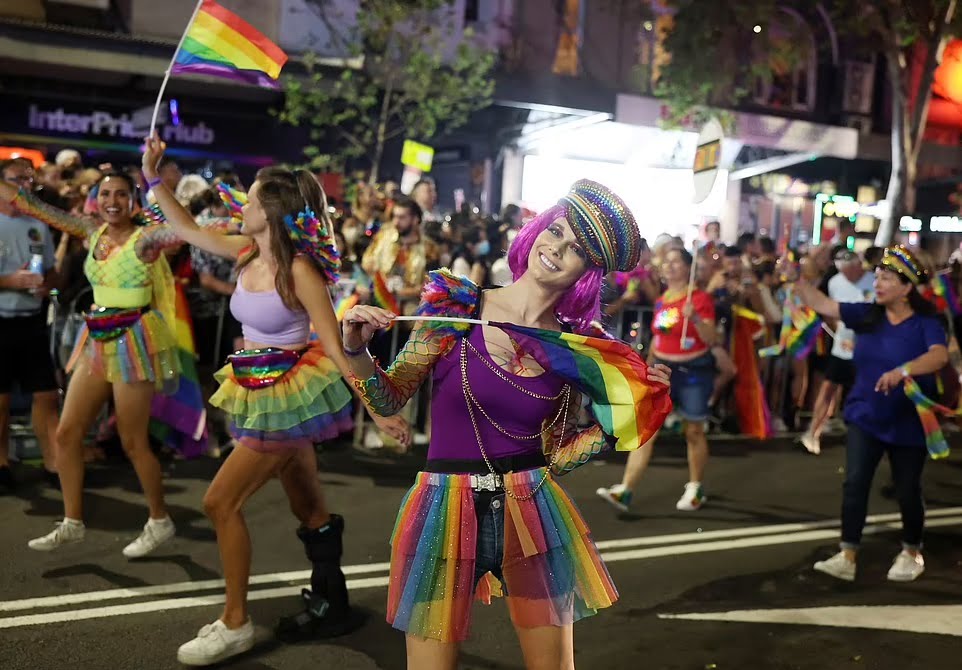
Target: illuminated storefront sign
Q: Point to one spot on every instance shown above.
(937, 224)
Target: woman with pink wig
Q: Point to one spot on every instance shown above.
(486, 515)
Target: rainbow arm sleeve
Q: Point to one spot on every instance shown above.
(387, 391)
(30, 205)
(577, 447)
(154, 240)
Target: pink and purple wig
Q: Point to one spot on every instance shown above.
(580, 304)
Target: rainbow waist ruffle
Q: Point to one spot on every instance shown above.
(146, 351)
(309, 403)
(553, 574)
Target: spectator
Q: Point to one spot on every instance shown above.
(23, 326)
(852, 284)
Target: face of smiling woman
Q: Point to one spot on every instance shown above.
(557, 259)
(115, 201)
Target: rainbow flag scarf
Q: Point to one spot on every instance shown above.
(219, 43)
(942, 286)
(383, 297)
(928, 411)
(609, 372)
(179, 419)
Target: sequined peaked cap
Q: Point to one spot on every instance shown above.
(604, 225)
(899, 259)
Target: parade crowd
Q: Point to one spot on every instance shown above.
(114, 283)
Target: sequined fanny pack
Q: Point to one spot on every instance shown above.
(109, 323)
(260, 368)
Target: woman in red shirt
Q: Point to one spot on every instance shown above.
(693, 375)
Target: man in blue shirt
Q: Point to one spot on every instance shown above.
(24, 335)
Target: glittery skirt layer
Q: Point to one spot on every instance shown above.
(309, 403)
(553, 573)
(147, 351)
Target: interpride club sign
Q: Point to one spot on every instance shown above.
(100, 123)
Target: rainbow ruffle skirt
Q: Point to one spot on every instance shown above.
(310, 403)
(553, 573)
(147, 351)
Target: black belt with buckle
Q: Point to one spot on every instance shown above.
(489, 482)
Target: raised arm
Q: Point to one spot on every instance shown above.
(30, 205)
(181, 223)
(312, 292)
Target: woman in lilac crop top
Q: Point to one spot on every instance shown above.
(282, 394)
(487, 506)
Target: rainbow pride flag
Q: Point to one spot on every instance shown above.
(179, 419)
(609, 372)
(928, 411)
(942, 286)
(383, 297)
(799, 333)
(221, 44)
(344, 304)
(754, 417)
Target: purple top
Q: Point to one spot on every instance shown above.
(265, 319)
(452, 436)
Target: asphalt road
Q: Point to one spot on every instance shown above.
(728, 587)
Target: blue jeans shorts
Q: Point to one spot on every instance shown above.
(692, 383)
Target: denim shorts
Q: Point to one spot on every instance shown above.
(489, 509)
(692, 383)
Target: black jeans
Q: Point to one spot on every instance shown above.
(862, 456)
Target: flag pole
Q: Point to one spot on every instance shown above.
(449, 319)
(686, 342)
(170, 66)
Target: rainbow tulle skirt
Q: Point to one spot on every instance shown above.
(144, 350)
(308, 403)
(553, 573)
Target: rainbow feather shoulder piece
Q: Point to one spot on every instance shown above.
(447, 294)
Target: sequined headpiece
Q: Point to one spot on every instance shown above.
(899, 259)
(312, 238)
(604, 225)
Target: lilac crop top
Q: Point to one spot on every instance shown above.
(452, 436)
(265, 319)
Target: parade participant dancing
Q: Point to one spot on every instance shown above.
(486, 501)
(693, 373)
(282, 395)
(897, 336)
(126, 350)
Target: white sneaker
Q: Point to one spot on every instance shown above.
(66, 532)
(616, 496)
(906, 567)
(155, 533)
(692, 499)
(215, 642)
(811, 443)
(838, 566)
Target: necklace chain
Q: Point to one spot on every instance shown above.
(496, 370)
(471, 401)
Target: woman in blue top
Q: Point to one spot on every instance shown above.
(898, 335)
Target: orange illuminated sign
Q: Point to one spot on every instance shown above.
(707, 156)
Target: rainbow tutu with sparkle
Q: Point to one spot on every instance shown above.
(280, 399)
(553, 573)
(127, 346)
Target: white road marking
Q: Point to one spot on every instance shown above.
(745, 543)
(168, 604)
(168, 589)
(760, 530)
(673, 545)
(932, 619)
